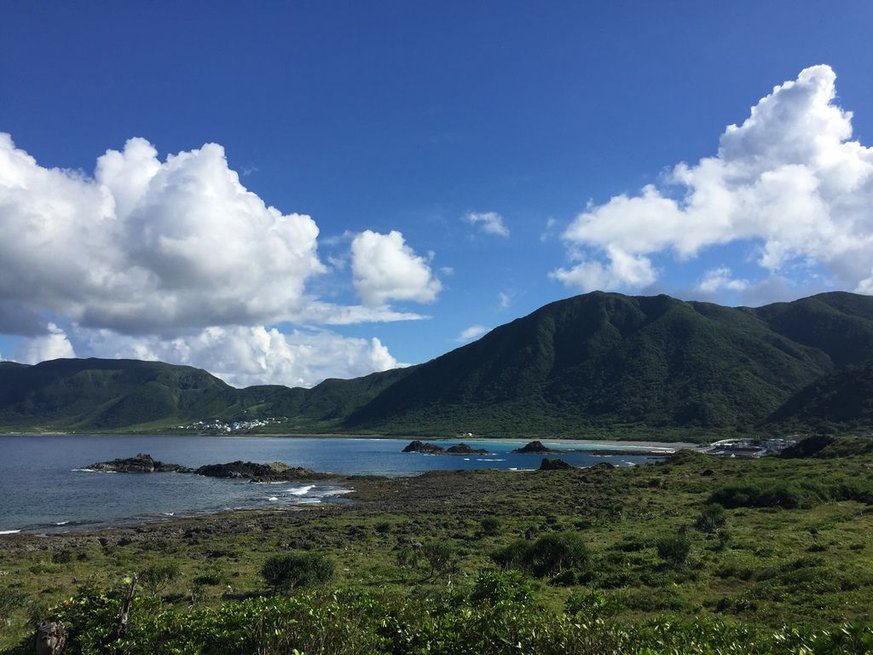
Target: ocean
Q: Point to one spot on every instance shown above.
(45, 486)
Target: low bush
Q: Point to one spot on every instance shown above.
(287, 572)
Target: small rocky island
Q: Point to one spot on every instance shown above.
(535, 448)
(432, 449)
(272, 472)
(141, 463)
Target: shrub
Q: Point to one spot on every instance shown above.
(493, 587)
(674, 549)
(591, 605)
(512, 556)
(711, 519)
(156, 577)
(490, 525)
(289, 571)
(440, 557)
(552, 553)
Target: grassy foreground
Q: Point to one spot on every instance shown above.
(602, 560)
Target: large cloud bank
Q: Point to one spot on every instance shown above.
(241, 356)
(790, 181)
(177, 260)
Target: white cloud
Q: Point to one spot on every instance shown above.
(504, 299)
(176, 260)
(720, 278)
(471, 333)
(623, 270)
(789, 178)
(147, 245)
(53, 345)
(244, 356)
(489, 222)
(384, 268)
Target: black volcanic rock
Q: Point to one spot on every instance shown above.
(554, 464)
(464, 449)
(141, 463)
(422, 447)
(534, 448)
(272, 472)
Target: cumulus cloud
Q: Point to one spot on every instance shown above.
(244, 356)
(175, 260)
(471, 333)
(146, 244)
(623, 270)
(53, 345)
(504, 299)
(789, 181)
(384, 268)
(488, 222)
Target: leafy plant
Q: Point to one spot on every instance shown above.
(287, 572)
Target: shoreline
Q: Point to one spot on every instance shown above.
(655, 445)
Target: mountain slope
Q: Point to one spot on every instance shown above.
(843, 398)
(593, 364)
(602, 360)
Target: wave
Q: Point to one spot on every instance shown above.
(87, 470)
(301, 491)
(272, 499)
(61, 522)
(9, 531)
(489, 459)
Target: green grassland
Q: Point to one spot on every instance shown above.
(413, 559)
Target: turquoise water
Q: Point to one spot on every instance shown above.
(44, 489)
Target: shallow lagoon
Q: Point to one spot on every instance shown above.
(44, 489)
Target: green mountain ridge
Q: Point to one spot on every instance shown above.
(595, 364)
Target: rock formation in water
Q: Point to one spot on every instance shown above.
(534, 448)
(272, 472)
(422, 447)
(432, 449)
(141, 463)
(464, 449)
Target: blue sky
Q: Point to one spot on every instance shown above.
(435, 168)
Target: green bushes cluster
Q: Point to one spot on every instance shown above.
(292, 570)
(794, 495)
(495, 617)
(548, 556)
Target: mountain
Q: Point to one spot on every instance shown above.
(842, 399)
(603, 361)
(596, 364)
(120, 394)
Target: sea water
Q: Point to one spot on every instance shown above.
(45, 485)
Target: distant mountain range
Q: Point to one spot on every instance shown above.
(600, 364)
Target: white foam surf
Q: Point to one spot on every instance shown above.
(301, 491)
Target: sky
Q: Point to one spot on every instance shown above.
(282, 192)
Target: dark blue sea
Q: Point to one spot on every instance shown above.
(45, 485)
